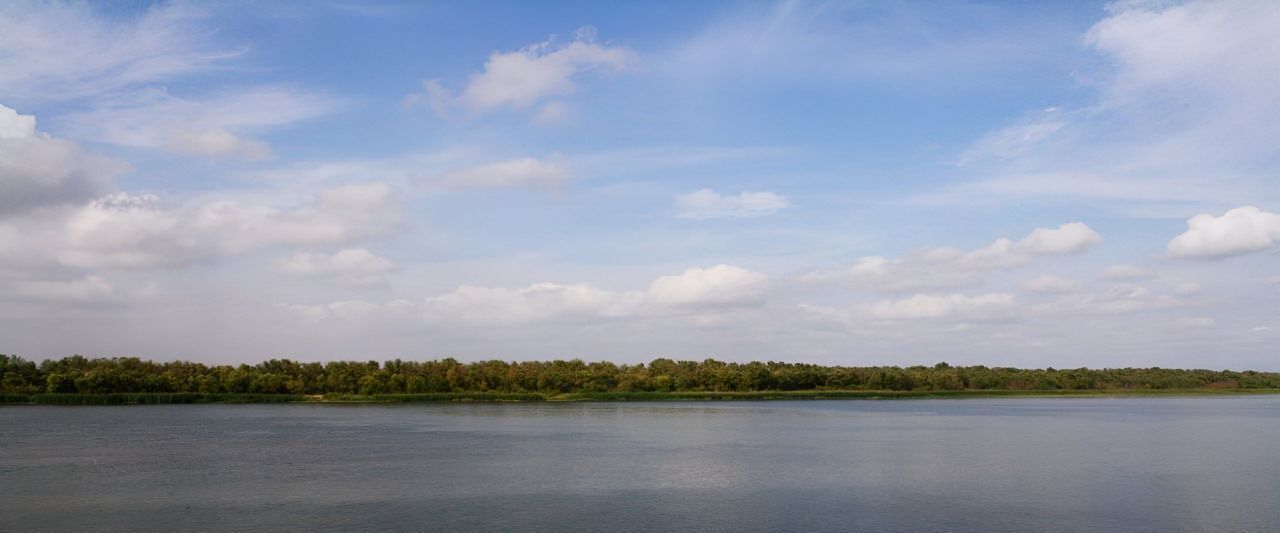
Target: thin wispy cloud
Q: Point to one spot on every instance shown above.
(706, 203)
(64, 51)
(216, 126)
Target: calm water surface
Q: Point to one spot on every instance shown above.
(1138, 464)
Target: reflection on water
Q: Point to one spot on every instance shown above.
(1141, 464)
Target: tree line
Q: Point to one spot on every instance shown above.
(81, 375)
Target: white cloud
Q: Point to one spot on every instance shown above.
(1071, 238)
(535, 303)
(356, 311)
(706, 203)
(1050, 284)
(906, 319)
(1184, 120)
(1238, 231)
(338, 215)
(1126, 272)
(696, 290)
(16, 126)
(1160, 44)
(525, 171)
(529, 76)
(38, 170)
(58, 51)
(950, 267)
(718, 285)
(939, 306)
(353, 266)
(123, 231)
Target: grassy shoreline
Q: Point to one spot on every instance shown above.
(494, 397)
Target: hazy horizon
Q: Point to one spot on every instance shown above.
(995, 183)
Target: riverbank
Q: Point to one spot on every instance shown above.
(189, 398)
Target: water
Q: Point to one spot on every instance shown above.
(1134, 464)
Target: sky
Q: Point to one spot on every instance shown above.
(1027, 184)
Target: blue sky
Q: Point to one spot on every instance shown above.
(1002, 183)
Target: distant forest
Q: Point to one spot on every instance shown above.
(80, 375)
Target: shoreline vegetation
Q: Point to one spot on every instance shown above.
(77, 380)
(481, 397)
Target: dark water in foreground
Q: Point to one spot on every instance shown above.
(1141, 464)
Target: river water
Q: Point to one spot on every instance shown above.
(989, 465)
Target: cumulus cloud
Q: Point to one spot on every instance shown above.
(16, 126)
(127, 231)
(353, 266)
(950, 267)
(338, 215)
(525, 171)
(537, 302)
(527, 77)
(718, 285)
(1160, 44)
(935, 306)
(38, 170)
(124, 231)
(699, 290)
(706, 203)
(1071, 238)
(1238, 231)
